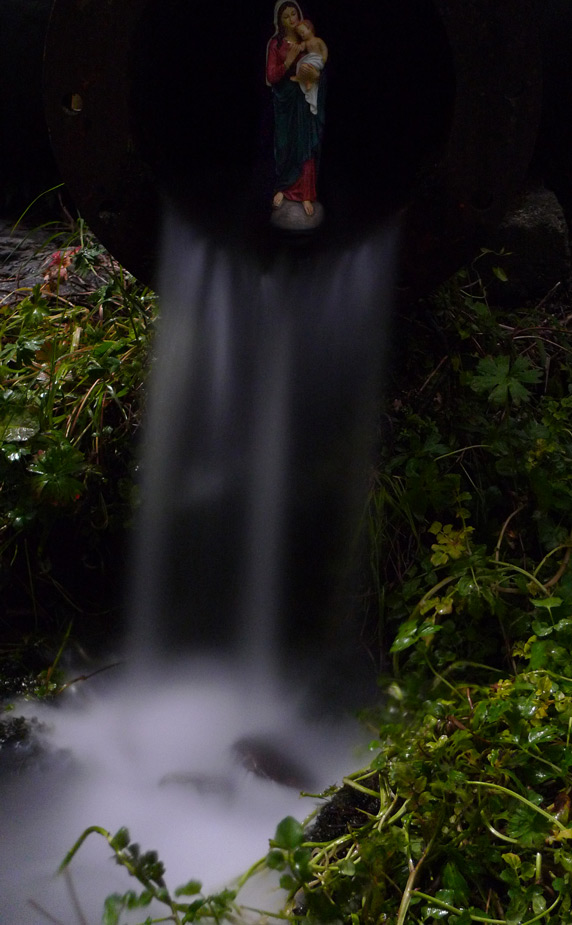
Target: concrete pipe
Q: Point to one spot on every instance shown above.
(433, 109)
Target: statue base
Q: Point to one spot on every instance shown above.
(290, 217)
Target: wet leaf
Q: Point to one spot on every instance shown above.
(301, 863)
(538, 655)
(287, 882)
(527, 826)
(189, 889)
(276, 859)
(538, 903)
(112, 908)
(120, 840)
(542, 629)
(20, 432)
(542, 734)
(501, 380)
(289, 833)
(435, 912)
(547, 602)
(406, 637)
(512, 859)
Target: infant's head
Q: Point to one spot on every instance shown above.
(305, 30)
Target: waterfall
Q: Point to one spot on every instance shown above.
(261, 412)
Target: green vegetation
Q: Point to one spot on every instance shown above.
(463, 813)
(148, 870)
(73, 352)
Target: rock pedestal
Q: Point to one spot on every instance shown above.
(291, 217)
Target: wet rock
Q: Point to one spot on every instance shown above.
(267, 759)
(203, 784)
(13, 730)
(20, 744)
(21, 257)
(535, 238)
(348, 809)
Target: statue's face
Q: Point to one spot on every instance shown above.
(290, 17)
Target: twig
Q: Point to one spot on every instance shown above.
(563, 566)
(74, 898)
(430, 376)
(548, 294)
(503, 530)
(406, 897)
(86, 677)
(44, 912)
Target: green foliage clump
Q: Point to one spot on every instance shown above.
(148, 870)
(474, 460)
(73, 355)
(467, 817)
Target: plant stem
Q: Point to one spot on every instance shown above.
(521, 571)
(517, 796)
(503, 530)
(348, 782)
(75, 848)
(406, 897)
(454, 911)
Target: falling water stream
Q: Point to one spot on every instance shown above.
(259, 425)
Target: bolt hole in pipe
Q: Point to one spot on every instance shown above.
(73, 104)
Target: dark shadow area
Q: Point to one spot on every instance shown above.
(552, 162)
(27, 166)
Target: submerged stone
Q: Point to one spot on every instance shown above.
(204, 784)
(267, 759)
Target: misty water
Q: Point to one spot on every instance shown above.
(241, 667)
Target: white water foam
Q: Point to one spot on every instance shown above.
(156, 755)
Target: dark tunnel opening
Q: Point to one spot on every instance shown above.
(432, 108)
(203, 119)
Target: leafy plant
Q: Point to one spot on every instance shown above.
(502, 380)
(148, 870)
(73, 358)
